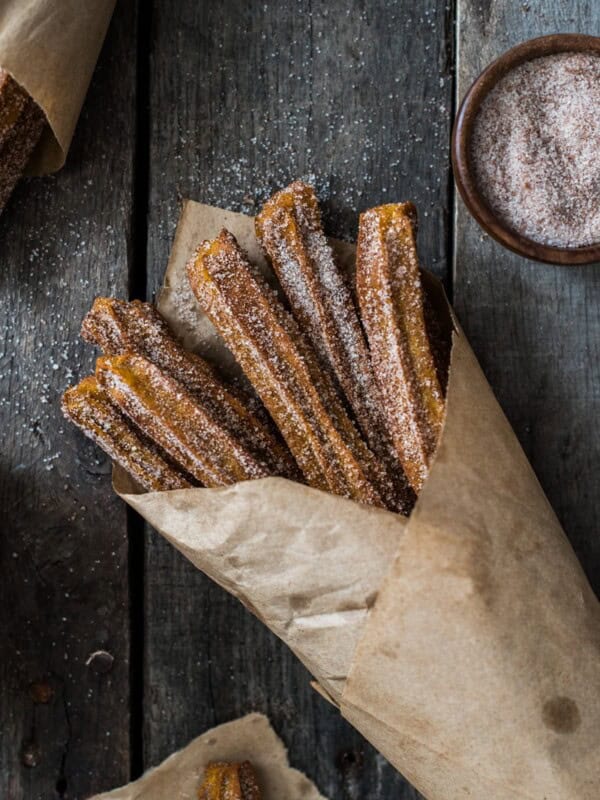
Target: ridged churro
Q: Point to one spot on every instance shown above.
(169, 415)
(88, 406)
(290, 231)
(229, 781)
(285, 372)
(390, 297)
(119, 327)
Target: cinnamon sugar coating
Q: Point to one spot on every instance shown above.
(391, 301)
(119, 327)
(534, 149)
(170, 416)
(309, 367)
(285, 372)
(290, 230)
(12, 103)
(21, 125)
(88, 406)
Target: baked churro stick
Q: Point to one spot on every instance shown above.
(21, 125)
(285, 372)
(120, 327)
(225, 781)
(13, 101)
(88, 406)
(290, 231)
(391, 301)
(167, 414)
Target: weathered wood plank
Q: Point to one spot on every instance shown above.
(244, 98)
(535, 328)
(64, 728)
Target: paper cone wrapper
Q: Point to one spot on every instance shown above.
(250, 738)
(464, 643)
(50, 47)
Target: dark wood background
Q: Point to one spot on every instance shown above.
(113, 650)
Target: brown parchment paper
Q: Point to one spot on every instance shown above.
(50, 47)
(464, 644)
(250, 738)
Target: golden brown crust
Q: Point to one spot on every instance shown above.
(21, 125)
(392, 306)
(167, 414)
(229, 781)
(119, 327)
(290, 231)
(284, 371)
(88, 406)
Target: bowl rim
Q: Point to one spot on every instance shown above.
(463, 124)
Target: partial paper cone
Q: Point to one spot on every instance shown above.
(50, 47)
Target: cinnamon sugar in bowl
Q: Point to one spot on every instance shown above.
(526, 149)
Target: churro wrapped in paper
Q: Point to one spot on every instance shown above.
(50, 49)
(464, 641)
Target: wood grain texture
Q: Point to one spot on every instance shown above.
(245, 97)
(534, 327)
(64, 729)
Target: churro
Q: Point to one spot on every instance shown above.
(285, 372)
(390, 297)
(12, 102)
(88, 406)
(290, 231)
(21, 125)
(169, 415)
(229, 781)
(119, 327)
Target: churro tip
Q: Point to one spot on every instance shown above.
(389, 212)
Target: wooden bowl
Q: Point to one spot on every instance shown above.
(460, 149)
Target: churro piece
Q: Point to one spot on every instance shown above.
(21, 125)
(120, 327)
(285, 372)
(229, 781)
(290, 231)
(391, 301)
(12, 102)
(88, 406)
(170, 416)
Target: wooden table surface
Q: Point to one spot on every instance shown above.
(114, 650)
